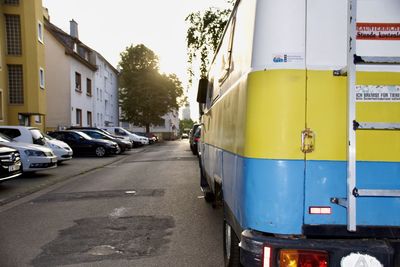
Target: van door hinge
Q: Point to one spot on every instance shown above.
(307, 141)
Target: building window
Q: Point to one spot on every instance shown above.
(11, 2)
(41, 78)
(23, 121)
(78, 82)
(13, 32)
(78, 117)
(38, 119)
(40, 32)
(15, 84)
(1, 105)
(89, 118)
(89, 87)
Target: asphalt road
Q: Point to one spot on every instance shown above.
(141, 209)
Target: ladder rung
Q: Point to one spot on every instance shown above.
(361, 60)
(376, 126)
(376, 193)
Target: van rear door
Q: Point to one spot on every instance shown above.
(378, 101)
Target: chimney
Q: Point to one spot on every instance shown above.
(73, 29)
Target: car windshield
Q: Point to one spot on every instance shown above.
(4, 138)
(87, 137)
(104, 133)
(47, 137)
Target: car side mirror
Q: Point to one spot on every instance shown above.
(202, 91)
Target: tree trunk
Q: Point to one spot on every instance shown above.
(147, 128)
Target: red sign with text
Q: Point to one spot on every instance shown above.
(378, 31)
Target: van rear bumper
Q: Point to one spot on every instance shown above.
(252, 247)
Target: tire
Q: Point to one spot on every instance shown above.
(209, 196)
(231, 247)
(100, 151)
(119, 150)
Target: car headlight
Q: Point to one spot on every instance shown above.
(55, 146)
(34, 153)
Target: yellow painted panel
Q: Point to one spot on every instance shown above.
(326, 115)
(275, 114)
(224, 122)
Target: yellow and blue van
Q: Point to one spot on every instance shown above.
(275, 133)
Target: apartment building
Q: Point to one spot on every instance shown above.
(83, 85)
(22, 63)
(106, 109)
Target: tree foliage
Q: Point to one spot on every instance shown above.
(203, 35)
(145, 94)
(185, 124)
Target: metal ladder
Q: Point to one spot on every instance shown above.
(353, 125)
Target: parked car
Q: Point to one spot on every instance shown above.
(191, 135)
(195, 141)
(185, 136)
(152, 139)
(10, 163)
(137, 140)
(24, 134)
(82, 144)
(33, 157)
(33, 135)
(61, 149)
(123, 145)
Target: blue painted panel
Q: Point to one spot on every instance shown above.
(264, 195)
(272, 195)
(274, 191)
(326, 179)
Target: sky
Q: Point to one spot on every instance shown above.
(110, 26)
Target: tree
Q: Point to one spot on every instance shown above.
(145, 94)
(203, 36)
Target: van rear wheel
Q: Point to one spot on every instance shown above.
(231, 247)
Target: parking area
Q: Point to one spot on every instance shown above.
(29, 183)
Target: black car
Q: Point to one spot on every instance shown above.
(82, 144)
(10, 163)
(191, 136)
(195, 141)
(79, 128)
(122, 144)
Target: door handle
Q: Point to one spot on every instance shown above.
(307, 141)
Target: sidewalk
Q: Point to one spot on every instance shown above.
(29, 183)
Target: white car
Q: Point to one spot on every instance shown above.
(61, 149)
(119, 131)
(33, 157)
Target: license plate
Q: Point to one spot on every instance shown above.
(14, 167)
(357, 260)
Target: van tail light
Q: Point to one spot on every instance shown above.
(303, 258)
(267, 257)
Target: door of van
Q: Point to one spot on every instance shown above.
(377, 152)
